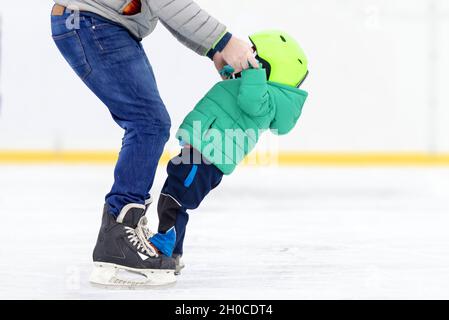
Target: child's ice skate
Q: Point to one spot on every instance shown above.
(123, 250)
(179, 263)
(164, 243)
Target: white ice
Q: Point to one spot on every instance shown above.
(279, 233)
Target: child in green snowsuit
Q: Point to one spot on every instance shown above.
(225, 126)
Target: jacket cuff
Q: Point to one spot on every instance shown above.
(220, 45)
(254, 76)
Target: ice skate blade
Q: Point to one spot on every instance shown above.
(179, 269)
(106, 275)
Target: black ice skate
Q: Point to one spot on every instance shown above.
(123, 250)
(179, 263)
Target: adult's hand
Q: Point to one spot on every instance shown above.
(238, 54)
(220, 63)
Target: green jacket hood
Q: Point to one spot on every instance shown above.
(289, 106)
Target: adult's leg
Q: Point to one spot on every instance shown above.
(115, 67)
(187, 184)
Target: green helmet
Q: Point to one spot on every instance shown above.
(282, 56)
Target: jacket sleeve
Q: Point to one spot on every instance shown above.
(253, 96)
(190, 24)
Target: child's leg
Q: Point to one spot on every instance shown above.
(187, 185)
(181, 223)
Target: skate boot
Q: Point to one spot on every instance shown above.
(179, 263)
(164, 243)
(123, 256)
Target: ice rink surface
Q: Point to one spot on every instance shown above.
(279, 233)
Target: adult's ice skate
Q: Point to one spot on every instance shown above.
(123, 256)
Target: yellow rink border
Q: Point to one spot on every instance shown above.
(364, 159)
(282, 159)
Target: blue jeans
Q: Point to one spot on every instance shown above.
(113, 64)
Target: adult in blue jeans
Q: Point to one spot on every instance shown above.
(101, 41)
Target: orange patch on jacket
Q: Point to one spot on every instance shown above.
(134, 7)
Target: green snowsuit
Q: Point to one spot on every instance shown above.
(226, 124)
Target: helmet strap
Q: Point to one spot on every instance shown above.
(265, 65)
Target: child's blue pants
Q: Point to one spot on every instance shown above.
(190, 179)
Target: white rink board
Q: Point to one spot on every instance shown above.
(266, 234)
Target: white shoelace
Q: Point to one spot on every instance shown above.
(143, 229)
(139, 238)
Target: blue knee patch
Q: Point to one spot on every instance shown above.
(189, 180)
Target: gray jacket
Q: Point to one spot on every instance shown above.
(191, 25)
